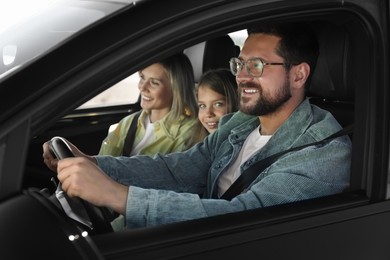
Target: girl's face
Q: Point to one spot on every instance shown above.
(212, 106)
(155, 89)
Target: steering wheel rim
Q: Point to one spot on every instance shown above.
(100, 217)
(96, 219)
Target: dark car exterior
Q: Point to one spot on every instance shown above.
(38, 101)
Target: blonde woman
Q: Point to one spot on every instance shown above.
(168, 112)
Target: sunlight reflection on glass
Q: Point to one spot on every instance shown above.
(15, 11)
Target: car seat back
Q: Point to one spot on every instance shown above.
(330, 88)
(211, 54)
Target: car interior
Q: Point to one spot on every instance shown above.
(332, 89)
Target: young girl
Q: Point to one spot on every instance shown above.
(216, 95)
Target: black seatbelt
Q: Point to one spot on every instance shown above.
(251, 173)
(130, 135)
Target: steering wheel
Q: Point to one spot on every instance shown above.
(96, 219)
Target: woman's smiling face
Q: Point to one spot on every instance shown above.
(155, 88)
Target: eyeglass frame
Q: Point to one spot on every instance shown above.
(261, 61)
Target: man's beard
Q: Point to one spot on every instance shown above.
(264, 104)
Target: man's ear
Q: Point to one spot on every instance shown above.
(299, 74)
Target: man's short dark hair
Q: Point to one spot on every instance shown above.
(298, 43)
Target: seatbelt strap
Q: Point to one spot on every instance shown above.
(251, 173)
(128, 145)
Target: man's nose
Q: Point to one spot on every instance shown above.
(243, 75)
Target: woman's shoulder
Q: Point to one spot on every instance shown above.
(124, 123)
(186, 124)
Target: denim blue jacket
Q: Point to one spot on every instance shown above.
(165, 188)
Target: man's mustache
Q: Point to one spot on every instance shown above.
(248, 85)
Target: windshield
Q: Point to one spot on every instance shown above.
(42, 24)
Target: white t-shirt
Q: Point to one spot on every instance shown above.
(147, 139)
(253, 143)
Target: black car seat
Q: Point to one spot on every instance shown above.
(330, 88)
(211, 54)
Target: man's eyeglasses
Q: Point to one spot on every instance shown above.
(254, 66)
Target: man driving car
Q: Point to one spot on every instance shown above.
(272, 71)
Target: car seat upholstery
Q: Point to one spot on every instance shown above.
(330, 88)
(211, 54)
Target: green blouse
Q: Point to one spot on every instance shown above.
(166, 138)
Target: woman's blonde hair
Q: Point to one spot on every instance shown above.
(181, 75)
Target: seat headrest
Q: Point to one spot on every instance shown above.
(329, 80)
(211, 54)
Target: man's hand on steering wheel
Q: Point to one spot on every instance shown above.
(81, 178)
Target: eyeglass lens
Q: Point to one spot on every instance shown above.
(254, 67)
